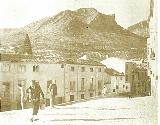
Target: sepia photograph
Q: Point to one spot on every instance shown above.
(74, 62)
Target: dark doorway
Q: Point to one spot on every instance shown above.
(71, 98)
(91, 94)
(5, 101)
(99, 93)
(82, 96)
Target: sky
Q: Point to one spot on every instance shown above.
(18, 13)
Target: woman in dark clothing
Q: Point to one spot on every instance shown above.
(35, 91)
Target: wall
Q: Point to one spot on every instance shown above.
(129, 69)
(77, 75)
(137, 77)
(142, 82)
(119, 81)
(61, 73)
(152, 43)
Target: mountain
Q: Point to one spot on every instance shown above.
(72, 34)
(141, 29)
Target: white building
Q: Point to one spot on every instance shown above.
(152, 48)
(115, 81)
(75, 80)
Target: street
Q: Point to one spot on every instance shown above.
(103, 111)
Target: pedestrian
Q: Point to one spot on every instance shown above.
(104, 91)
(22, 94)
(35, 91)
(130, 96)
(53, 93)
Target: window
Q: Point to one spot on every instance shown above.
(99, 84)
(21, 68)
(121, 78)
(91, 69)
(142, 75)
(138, 75)
(91, 84)
(82, 96)
(132, 77)
(126, 87)
(82, 84)
(82, 69)
(99, 93)
(156, 77)
(150, 72)
(126, 67)
(91, 94)
(36, 68)
(72, 68)
(99, 69)
(72, 85)
(123, 86)
(152, 55)
(139, 84)
(62, 66)
(117, 87)
(6, 67)
(71, 97)
(145, 73)
(126, 77)
(114, 90)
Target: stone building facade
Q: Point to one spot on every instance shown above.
(115, 82)
(137, 76)
(152, 47)
(76, 80)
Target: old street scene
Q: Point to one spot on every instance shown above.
(80, 65)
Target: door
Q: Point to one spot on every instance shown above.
(71, 97)
(5, 96)
(82, 96)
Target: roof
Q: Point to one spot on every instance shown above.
(113, 72)
(142, 66)
(26, 58)
(82, 62)
(141, 24)
(42, 59)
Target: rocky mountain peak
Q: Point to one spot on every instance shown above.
(71, 34)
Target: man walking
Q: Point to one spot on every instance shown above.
(35, 91)
(53, 93)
